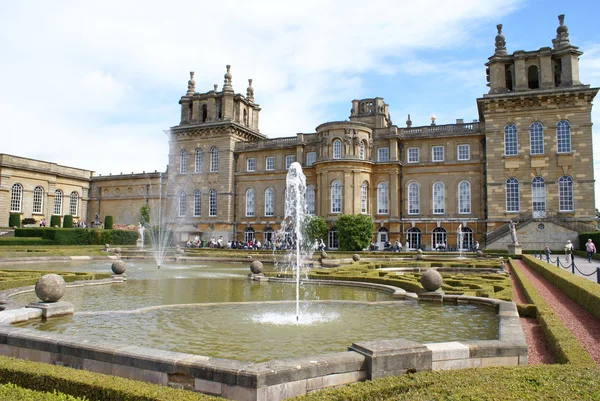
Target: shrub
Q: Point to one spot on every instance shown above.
(28, 220)
(11, 241)
(123, 237)
(14, 220)
(55, 221)
(145, 215)
(68, 221)
(315, 228)
(354, 231)
(29, 232)
(108, 222)
(76, 236)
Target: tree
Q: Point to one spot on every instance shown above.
(354, 231)
(145, 215)
(315, 228)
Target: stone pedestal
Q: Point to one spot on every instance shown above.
(515, 249)
(50, 309)
(139, 243)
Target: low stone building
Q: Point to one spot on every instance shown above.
(528, 158)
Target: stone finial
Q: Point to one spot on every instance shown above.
(191, 85)
(250, 91)
(562, 34)
(227, 81)
(408, 122)
(215, 86)
(500, 42)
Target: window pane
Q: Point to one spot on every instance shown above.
(198, 162)
(212, 206)
(438, 198)
(16, 196)
(311, 158)
(38, 197)
(250, 203)
(464, 152)
(270, 161)
(310, 199)
(74, 203)
(289, 159)
(183, 162)
(536, 138)
(251, 164)
(337, 149)
(383, 154)
(413, 155)
(512, 195)
(565, 194)
(214, 160)
(363, 198)
(510, 140)
(413, 198)
(181, 204)
(382, 198)
(336, 197)
(464, 197)
(58, 195)
(563, 136)
(438, 153)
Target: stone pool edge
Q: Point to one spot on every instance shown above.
(277, 379)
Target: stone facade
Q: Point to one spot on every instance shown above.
(527, 159)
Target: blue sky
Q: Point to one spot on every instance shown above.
(94, 85)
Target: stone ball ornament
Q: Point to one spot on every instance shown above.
(50, 288)
(117, 250)
(431, 280)
(356, 257)
(118, 267)
(420, 255)
(256, 267)
(323, 255)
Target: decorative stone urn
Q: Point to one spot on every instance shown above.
(50, 288)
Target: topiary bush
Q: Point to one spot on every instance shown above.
(68, 221)
(14, 220)
(55, 221)
(108, 223)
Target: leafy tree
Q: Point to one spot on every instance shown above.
(315, 228)
(354, 231)
(145, 215)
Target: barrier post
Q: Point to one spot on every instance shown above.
(598, 275)
(557, 261)
(572, 264)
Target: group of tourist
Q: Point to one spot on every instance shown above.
(590, 248)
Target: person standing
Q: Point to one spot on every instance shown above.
(569, 251)
(547, 254)
(590, 248)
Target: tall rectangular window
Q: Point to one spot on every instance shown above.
(383, 154)
(363, 198)
(251, 164)
(563, 136)
(464, 152)
(510, 140)
(311, 158)
(512, 195)
(413, 198)
(310, 199)
(536, 138)
(269, 201)
(413, 155)
(212, 204)
(197, 204)
(270, 163)
(289, 159)
(437, 154)
(438, 198)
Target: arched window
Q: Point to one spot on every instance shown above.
(58, 197)
(212, 203)
(563, 136)
(336, 197)
(198, 161)
(249, 234)
(413, 237)
(204, 113)
(364, 190)
(197, 203)
(74, 204)
(536, 138)
(510, 140)
(182, 204)
(269, 202)
(413, 198)
(38, 199)
(439, 238)
(464, 197)
(268, 235)
(361, 150)
(382, 198)
(250, 203)
(512, 195)
(538, 197)
(467, 238)
(565, 194)
(333, 241)
(183, 162)
(310, 199)
(337, 149)
(16, 198)
(438, 198)
(214, 160)
(533, 79)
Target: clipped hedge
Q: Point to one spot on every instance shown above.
(535, 382)
(94, 386)
(14, 220)
(581, 290)
(12, 241)
(72, 236)
(55, 221)
(561, 341)
(10, 392)
(30, 232)
(68, 221)
(108, 222)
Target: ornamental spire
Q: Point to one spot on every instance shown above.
(500, 42)
(191, 85)
(562, 34)
(227, 81)
(250, 91)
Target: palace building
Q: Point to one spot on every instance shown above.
(528, 159)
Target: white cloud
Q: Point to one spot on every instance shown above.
(99, 81)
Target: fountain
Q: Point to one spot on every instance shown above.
(459, 240)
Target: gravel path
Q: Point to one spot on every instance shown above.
(578, 320)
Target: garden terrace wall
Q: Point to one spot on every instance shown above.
(278, 379)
